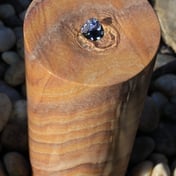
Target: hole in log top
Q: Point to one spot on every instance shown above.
(53, 38)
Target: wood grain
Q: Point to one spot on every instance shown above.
(84, 97)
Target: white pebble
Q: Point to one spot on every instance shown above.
(161, 169)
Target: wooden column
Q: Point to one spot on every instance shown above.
(85, 97)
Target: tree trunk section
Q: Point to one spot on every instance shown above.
(85, 97)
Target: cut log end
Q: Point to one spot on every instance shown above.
(131, 37)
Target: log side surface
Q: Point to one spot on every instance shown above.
(85, 97)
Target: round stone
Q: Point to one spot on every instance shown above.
(92, 29)
(161, 169)
(7, 38)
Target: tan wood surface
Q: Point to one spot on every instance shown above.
(85, 97)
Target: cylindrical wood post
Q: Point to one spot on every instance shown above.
(85, 97)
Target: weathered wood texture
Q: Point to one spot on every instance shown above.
(84, 97)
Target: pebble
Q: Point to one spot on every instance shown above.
(166, 84)
(15, 74)
(143, 169)
(17, 6)
(20, 110)
(6, 10)
(167, 16)
(164, 137)
(150, 116)
(5, 110)
(15, 164)
(7, 38)
(158, 158)
(14, 137)
(12, 93)
(170, 111)
(163, 59)
(2, 170)
(161, 169)
(160, 100)
(143, 147)
(10, 57)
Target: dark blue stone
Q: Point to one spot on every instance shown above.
(92, 30)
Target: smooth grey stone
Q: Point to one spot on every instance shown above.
(170, 111)
(150, 116)
(20, 110)
(158, 158)
(16, 164)
(164, 137)
(143, 147)
(10, 57)
(15, 4)
(6, 10)
(7, 38)
(162, 60)
(167, 16)
(14, 137)
(15, 74)
(166, 84)
(5, 110)
(142, 169)
(160, 100)
(161, 169)
(12, 93)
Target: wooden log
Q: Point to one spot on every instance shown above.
(85, 97)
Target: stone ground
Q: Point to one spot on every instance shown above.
(154, 151)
